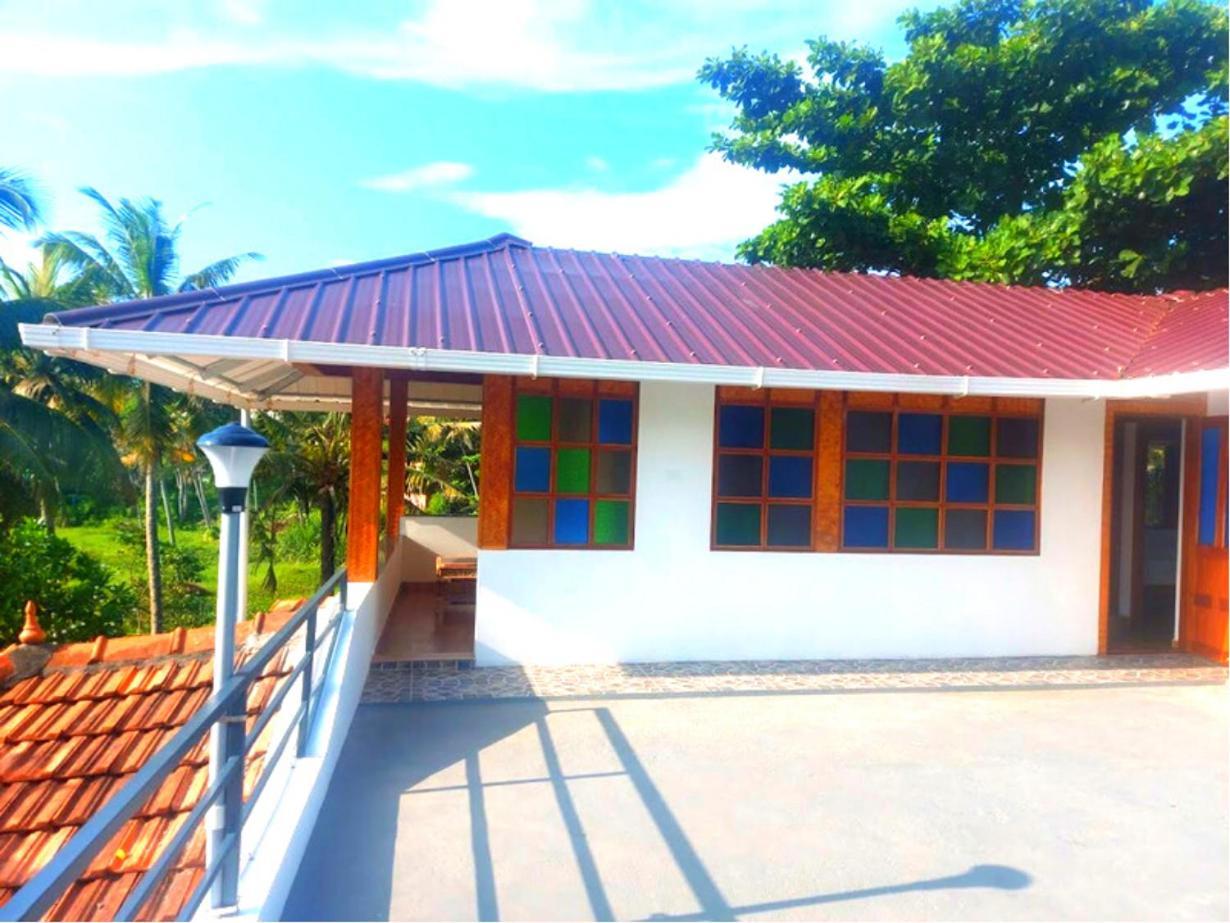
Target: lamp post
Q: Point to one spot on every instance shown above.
(233, 452)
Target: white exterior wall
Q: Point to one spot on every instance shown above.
(672, 598)
(424, 538)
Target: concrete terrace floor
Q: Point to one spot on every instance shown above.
(1102, 803)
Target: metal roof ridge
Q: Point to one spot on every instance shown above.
(116, 310)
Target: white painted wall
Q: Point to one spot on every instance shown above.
(1219, 403)
(673, 599)
(426, 537)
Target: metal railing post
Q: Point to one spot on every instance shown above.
(309, 650)
(226, 737)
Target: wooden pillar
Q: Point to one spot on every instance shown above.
(495, 464)
(395, 492)
(363, 522)
(826, 527)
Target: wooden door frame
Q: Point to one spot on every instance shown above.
(1191, 408)
(1195, 446)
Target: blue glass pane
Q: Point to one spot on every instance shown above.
(1013, 530)
(571, 522)
(866, 527)
(615, 422)
(533, 471)
(919, 433)
(789, 476)
(740, 426)
(1210, 458)
(967, 482)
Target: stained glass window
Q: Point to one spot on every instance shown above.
(574, 459)
(918, 481)
(764, 473)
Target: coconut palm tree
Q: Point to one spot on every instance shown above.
(138, 257)
(441, 457)
(55, 433)
(310, 461)
(19, 206)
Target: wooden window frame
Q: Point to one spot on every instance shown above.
(768, 400)
(594, 391)
(941, 504)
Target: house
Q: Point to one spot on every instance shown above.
(685, 460)
(77, 721)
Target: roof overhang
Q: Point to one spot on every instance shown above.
(261, 373)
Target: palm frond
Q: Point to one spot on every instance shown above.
(19, 206)
(217, 273)
(86, 254)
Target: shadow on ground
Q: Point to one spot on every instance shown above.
(349, 868)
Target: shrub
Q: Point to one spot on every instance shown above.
(185, 601)
(77, 595)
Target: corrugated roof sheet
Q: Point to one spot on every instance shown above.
(506, 296)
(71, 736)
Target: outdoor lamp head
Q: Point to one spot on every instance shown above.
(233, 452)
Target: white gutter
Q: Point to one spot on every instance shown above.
(52, 337)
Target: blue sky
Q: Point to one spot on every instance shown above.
(322, 133)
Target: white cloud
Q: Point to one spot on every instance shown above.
(68, 56)
(704, 212)
(243, 12)
(17, 248)
(426, 176)
(546, 45)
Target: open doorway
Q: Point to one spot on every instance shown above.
(1147, 504)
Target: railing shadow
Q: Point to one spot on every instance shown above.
(349, 870)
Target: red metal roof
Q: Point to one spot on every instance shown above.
(506, 296)
(73, 734)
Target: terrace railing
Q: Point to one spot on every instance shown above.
(226, 710)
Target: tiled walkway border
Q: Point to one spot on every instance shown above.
(419, 682)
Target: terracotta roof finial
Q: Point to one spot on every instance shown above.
(32, 632)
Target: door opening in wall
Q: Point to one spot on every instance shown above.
(1147, 509)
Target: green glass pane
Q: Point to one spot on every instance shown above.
(572, 471)
(533, 417)
(1015, 483)
(792, 428)
(576, 417)
(969, 435)
(916, 527)
(866, 479)
(529, 521)
(611, 522)
(738, 524)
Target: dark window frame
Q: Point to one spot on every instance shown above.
(573, 389)
(941, 504)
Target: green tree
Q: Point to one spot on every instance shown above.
(309, 461)
(138, 257)
(441, 464)
(53, 433)
(77, 596)
(1058, 141)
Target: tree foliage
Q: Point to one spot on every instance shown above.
(1057, 141)
(78, 597)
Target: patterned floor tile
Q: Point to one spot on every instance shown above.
(431, 682)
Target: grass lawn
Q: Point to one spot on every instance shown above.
(295, 578)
